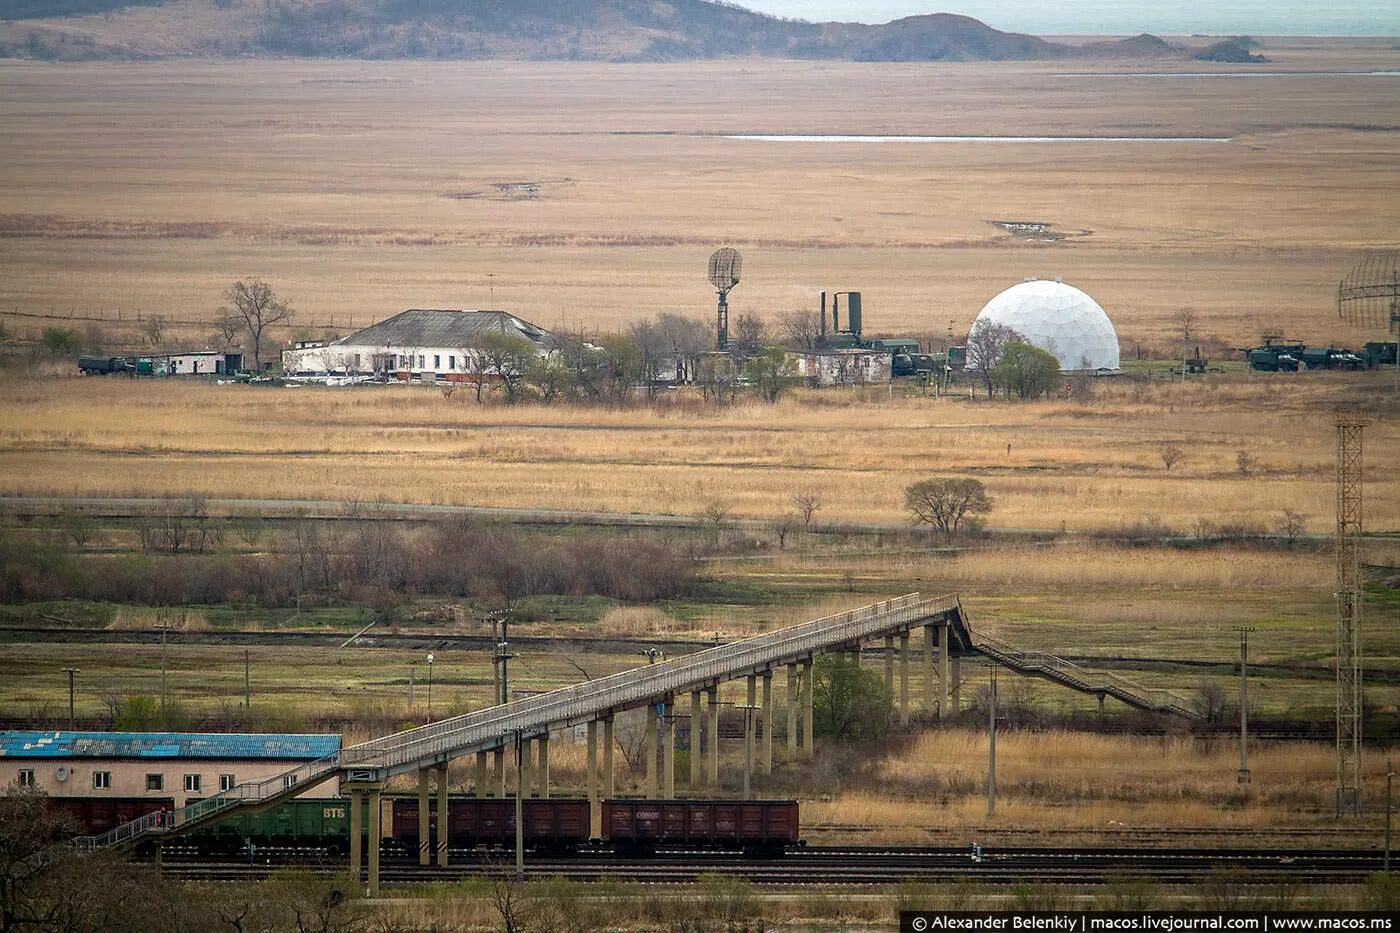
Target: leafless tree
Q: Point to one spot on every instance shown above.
(1185, 319)
(258, 307)
(687, 338)
(1292, 526)
(154, 331)
(653, 346)
(750, 333)
(807, 504)
(226, 330)
(946, 502)
(800, 327)
(984, 348)
(1171, 455)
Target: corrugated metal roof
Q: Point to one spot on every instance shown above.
(166, 745)
(426, 327)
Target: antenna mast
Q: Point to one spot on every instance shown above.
(1350, 425)
(725, 266)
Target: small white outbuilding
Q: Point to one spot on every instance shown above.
(1059, 319)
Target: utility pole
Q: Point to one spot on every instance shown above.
(164, 721)
(992, 743)
(1389, 776)
(247, 682)
(70, 671)
(412, 665)
(1242, 775)
(748, 747)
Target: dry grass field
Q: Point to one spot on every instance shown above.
(1050, 465)
(362, 188)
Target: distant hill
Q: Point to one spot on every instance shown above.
(598, 30)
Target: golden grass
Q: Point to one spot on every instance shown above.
(144, 619)
(1081, 781)
(1069, 466)
(382, 174)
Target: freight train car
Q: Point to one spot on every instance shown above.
(93, 815)
(757, 827)
(558, 825)
(321, 825)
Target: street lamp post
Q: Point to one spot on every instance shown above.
(70, 671)
(519, 808)
(430, 687)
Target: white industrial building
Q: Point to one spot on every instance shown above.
(1059, 319)
(417, 344)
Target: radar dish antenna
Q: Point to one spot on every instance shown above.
(1368, 298)
(725, 266)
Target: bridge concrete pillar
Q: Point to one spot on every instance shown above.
(904, 678)
(668, 749)
(807, 722)
(944, 693)
(375, 832)
(930, 635)
(750, 720)
(695, 746)
(609, 777)
(955, 687)
(481, 774)
(595, 809)
(542, 775)
(766, 758)
(889, 663)
(443, 827)
(649, 742)
(423, 818)
(712, 749)
(526, 768)
(792, 710)
(357, 832)
(498, 761)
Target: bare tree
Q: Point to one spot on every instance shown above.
(1292, 526)
(984, 348)
(257, 306)
(154, 331)
(653, 347)
(1171, 455)
(227, 329)
(687, 339)
(807, 504)
(800, 328)
(750, 333)
(946, 502)
(1185, 319)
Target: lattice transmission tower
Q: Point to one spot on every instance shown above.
(1350, 425)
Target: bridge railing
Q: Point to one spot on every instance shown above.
(626, 688)
(1093, 679)
(635, 686)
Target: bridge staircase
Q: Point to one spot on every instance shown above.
(1077, 677)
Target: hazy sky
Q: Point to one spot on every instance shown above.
(1177, 17)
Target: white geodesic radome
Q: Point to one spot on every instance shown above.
(1059, 319)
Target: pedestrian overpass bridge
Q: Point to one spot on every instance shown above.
(523, 726)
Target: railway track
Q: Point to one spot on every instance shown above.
(856, 866)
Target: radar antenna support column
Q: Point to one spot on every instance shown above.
(1349, 449)
(722, 323)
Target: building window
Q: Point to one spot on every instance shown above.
(155, 782)
(289, 780)
(26, 777)
(192, 783)
(437, 361)
(420, 361)
(357, 362)
(452, 362)
(226, 782)
(102, 780)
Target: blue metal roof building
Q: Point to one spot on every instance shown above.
(167, 745)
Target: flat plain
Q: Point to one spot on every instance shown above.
(361, 188)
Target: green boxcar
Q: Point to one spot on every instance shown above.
(308, 823)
